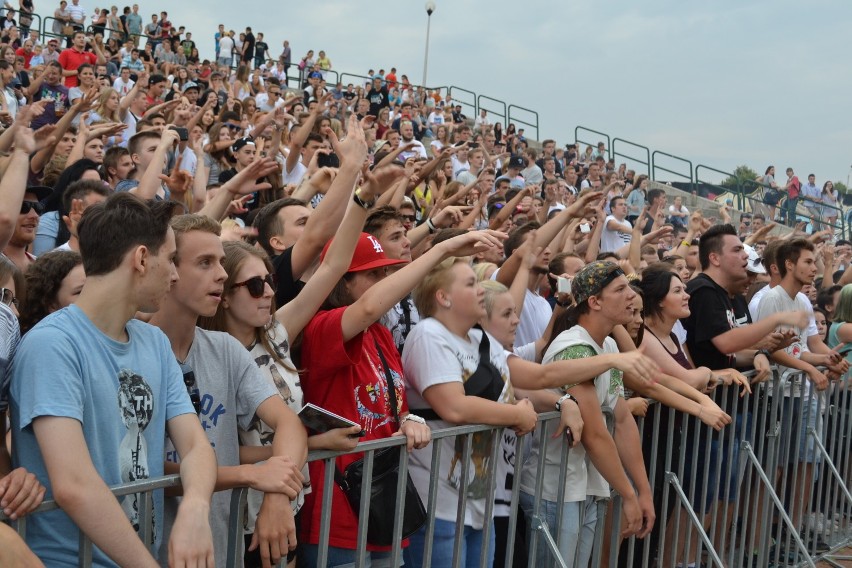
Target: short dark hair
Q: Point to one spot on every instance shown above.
(791, 250)
(516, 237)
(711, 242)
(80, 189)
(654, 193)
(379, 217)
(109, 230)
(268, 224)
(826, 295)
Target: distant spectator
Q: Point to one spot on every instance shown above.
(678, 213)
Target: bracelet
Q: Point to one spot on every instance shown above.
(413, 418)
(360, 202)
(762, 352)
(430, 225)
(562, 399)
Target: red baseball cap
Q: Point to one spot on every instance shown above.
(368, 255)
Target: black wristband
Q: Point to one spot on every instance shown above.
(361, 203)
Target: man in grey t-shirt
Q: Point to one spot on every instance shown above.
(230, 393)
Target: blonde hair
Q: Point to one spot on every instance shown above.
(183, 224)
(480, 268)
(492, 290)
(439, 278)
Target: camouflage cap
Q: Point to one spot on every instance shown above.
(593, 278)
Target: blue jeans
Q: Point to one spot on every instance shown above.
(442, 546)
(574, 540)
(341, 557)
(789, 213)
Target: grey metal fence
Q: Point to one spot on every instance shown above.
(772, 488)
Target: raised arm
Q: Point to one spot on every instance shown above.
(150, 182)
(376, 301)
(297, 138)
(296, 314)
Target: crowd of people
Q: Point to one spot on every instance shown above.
(192, 251)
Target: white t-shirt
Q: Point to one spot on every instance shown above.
(582, 479)
(419, 151)
(433, 356)
(611, 241)
(122, 87)
(778, 300)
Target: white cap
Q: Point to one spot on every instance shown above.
(754, 261)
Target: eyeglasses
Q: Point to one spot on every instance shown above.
(28, 206)
(191, 386)
(257, 285)
(274, 93)
(8, 298)
(233, 126)
(409, 218)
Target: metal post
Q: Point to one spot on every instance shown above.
(430, 7)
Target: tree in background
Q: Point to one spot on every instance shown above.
(741, 176)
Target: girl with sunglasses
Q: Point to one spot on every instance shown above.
(247, 311)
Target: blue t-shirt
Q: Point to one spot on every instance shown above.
(122, 394)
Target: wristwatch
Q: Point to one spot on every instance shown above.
(562, 399)
(413, 418)
(360, 202)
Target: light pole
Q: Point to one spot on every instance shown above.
(430, 7)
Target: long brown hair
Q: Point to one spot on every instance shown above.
(236, 254)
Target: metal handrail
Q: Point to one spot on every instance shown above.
(472, 105)
(577, 139)
(513, 118)
(646, 163)
(736, 191)
(504, 115)
(655, 167)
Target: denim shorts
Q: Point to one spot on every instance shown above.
(443, 546)
(574, 539)
(799, 414)
(341, 557)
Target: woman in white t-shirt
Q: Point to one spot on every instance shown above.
(441, 358)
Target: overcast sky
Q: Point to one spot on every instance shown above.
(721, 83)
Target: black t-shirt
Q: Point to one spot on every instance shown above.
(288, 287)
(249, 53)
(260, 49)
(711, 314)
(378, 100)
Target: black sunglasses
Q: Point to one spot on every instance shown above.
(28, 206)
(233, 126)
(191, 386)
(257, 285)
(409, 218)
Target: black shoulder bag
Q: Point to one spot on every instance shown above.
(485, 382)
(383, 496)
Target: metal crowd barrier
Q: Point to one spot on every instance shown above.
(770, 489)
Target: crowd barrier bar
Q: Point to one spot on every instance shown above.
(817, 424)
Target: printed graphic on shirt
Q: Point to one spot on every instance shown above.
(372, 400)
(581, 351)
(482, 446)
(136, 403)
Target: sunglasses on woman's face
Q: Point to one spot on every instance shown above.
(257, 285)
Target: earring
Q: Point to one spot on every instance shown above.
(449, 304)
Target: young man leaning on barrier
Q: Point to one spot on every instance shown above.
(230, 393)
(604, 300)
(720, 334)
(93, 393)
(795, 261)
